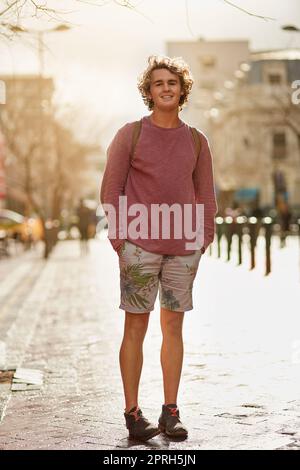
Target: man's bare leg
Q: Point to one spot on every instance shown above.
(171, 352)
(131, 355)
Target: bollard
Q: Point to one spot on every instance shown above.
(252, 231)
(228, 234)
(267, 222)
(219, 230)
(239, 230)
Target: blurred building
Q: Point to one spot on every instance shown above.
(24, 116)
(28, 93)
(47, 168)
(246, 109)
(213, 65)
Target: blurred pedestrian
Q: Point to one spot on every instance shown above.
(84, 218)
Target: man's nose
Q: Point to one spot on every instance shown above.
(166, 86)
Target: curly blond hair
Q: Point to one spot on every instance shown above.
(175, 65)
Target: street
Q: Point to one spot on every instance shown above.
(240, 381)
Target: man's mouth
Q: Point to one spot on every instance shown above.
(166, 97)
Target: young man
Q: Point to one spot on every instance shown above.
(164, 170)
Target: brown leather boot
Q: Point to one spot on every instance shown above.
(169, 422)
(138, 426)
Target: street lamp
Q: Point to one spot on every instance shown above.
(290, 28)
(39, 34)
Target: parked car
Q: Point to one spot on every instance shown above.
(21, 228)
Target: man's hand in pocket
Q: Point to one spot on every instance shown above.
(120, 249)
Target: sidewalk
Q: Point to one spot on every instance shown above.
(241, 373)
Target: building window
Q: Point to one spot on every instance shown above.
(275, 73)
(246, 142)
(279, 145)
(275, 78)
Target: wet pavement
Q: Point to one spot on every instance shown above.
(241, 374)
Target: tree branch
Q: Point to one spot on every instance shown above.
(246, 11)
(8, 7)
(187, 16)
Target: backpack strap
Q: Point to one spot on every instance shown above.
(197, 141)
(135, 136)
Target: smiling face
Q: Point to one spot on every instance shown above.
(165, 90)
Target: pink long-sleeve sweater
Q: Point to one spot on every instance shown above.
(164, 169)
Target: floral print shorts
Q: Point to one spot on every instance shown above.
(143, 273)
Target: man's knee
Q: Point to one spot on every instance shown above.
(172, 323)
(136, 323)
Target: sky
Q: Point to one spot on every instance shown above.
(96, 63)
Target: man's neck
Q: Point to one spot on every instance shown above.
(162, 119)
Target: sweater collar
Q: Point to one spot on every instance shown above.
(148, 121)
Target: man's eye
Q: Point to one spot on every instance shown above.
(170, 83)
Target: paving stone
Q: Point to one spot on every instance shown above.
(29, 376)
(18, 387)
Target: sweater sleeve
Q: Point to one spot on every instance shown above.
(203, 178)
(114, 180)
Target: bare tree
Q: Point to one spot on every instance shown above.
(14, 12)
(46, 172)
